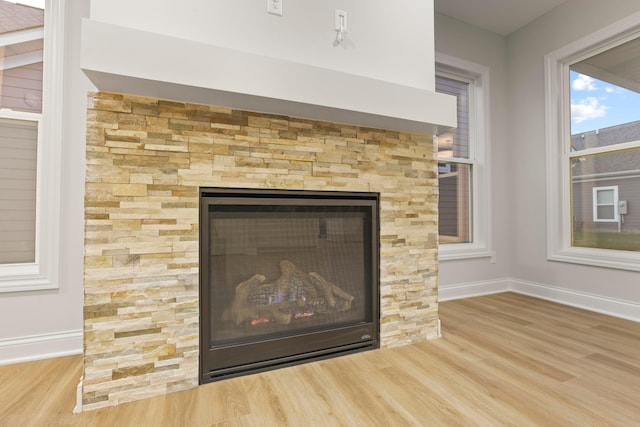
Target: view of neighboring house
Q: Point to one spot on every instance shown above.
(21, 47)
(21, 55)
(606, 187)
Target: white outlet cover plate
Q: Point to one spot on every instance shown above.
(274, 7)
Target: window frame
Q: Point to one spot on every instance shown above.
(616, 216)
(478, 78)
(44, 272)
(558, 147)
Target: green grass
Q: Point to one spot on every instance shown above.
(624, 241)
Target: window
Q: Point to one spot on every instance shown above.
(605, 204)
(454, 168)
(20, 112)
(464, 228)
(30, 140)
(593, 149)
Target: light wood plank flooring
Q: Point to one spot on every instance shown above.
(504, 359)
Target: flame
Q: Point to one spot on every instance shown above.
(302, 314)
(259, 321)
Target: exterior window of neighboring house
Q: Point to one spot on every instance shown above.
(593, 149)
(29, 145)
(462, 171)
(605, 204)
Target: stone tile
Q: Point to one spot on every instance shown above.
(146, 159)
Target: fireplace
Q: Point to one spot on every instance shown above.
(148, 158)
(285, 277)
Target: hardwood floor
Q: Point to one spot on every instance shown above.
(504, 359)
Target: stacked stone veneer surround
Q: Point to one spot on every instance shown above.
(146, 159)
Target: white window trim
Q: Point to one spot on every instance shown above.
(43, 273)
(558, 130)
(616, 217)
(478, 76)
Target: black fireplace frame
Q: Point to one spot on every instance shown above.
(234, 360)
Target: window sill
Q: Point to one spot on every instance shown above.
(458, 251)
(620, 260)
(25, 277)
(26, 284)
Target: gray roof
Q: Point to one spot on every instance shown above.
(607, 163)
(16, 17)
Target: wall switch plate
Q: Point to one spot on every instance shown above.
(340, 18)
(274, 7)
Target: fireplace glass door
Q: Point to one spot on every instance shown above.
(286, 276)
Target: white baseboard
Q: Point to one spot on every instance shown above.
(473, 289)
(597, 303)
(78, 408)
(38, 347)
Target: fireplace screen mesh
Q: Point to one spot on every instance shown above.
(277, 270)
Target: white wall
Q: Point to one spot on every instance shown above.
(518, 164)
(385, 41)
(49, 323)
(469, 43)
(526, 49)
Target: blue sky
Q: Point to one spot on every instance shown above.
(596, 104)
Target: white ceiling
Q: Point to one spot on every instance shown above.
(500, 16)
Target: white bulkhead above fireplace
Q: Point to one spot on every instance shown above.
(316, 79)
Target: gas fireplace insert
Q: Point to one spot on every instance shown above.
(286, 277)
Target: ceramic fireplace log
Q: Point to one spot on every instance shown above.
(279, 301)
(331, 291)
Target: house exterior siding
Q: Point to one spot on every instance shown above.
(619, 169)
(628, 189)
(21, 88)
